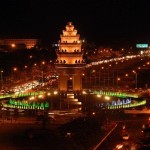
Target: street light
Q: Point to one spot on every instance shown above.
(107, 98)
(13, 45)
(15, 69)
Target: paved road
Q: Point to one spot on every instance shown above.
(25, 133)
(133, 126)
(27, 136)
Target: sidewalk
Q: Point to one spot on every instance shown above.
(33, 120)
(19, 120)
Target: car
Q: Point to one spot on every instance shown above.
(126, 136)
(146, 127)
(118, 146)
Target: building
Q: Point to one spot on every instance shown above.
(18, 43)
(70, 64)
(70, 67)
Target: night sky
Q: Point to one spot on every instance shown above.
(99, 21)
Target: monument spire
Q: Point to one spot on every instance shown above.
(70, 64)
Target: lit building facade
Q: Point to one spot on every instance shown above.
(70, 64)
(29, 43)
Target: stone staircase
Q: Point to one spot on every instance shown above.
(71, 102)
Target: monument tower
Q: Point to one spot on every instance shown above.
(70, 64)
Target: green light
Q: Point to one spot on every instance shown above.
(116, 94)
(27, 105)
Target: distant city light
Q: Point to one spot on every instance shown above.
(141, 52)
(13, 45)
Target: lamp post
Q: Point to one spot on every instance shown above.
(99, 79)
(84, 93)
(118, 79)
(42, 78)
(15, 69)
(60, 106)
(43, 63)
(108, 78)
(1, 79)
(51, 100)
(135, 78)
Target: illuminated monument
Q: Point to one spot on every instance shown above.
(70, 64)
